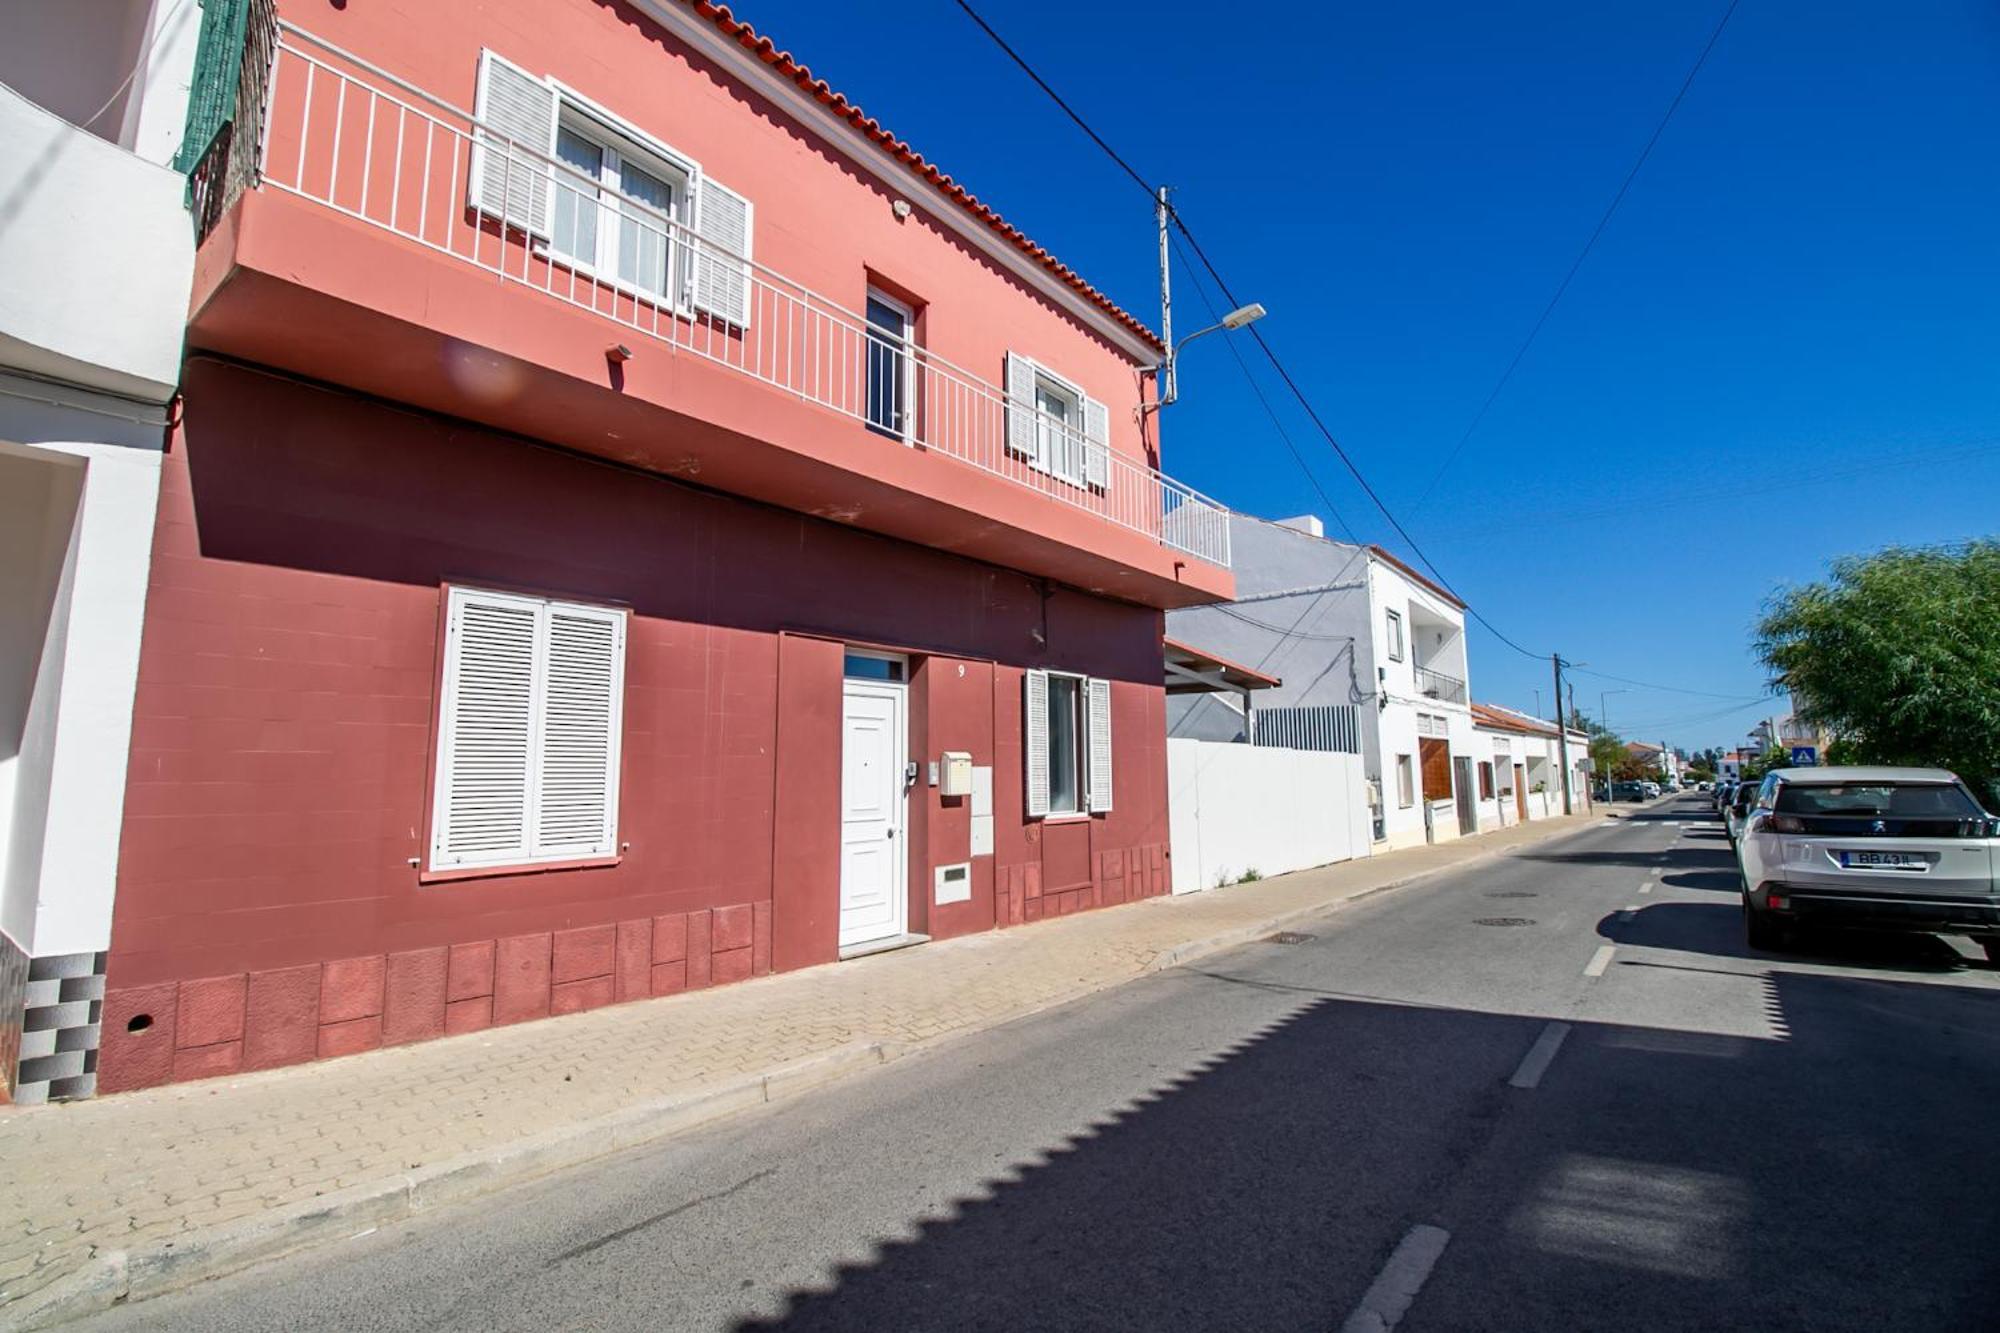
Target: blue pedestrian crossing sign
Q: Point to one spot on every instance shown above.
(1805, 756)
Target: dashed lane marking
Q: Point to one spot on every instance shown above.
(1536, 1062)
(1599, 961)
(1388, 1298)
(1647, 887)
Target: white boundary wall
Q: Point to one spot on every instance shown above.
(1236, 807)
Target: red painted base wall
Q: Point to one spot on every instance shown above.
(268, 906)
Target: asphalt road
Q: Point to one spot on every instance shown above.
(1292, 1134)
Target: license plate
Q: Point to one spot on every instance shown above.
(1882, 860)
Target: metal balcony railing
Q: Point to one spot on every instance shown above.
(354, 138)
(1436, 685)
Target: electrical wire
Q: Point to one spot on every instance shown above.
(1603, 221)
(1056, 97)
(1194, 244)
(1278, 425)
(1649, 685)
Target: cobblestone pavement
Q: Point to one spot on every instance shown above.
(128, 1171)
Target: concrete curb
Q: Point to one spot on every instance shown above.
(1238, 935)
(114, 1277)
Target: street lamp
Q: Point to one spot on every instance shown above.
(1241, 317)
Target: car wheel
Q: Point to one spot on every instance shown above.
(1760, 932)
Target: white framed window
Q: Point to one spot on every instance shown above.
(1406, 781)
(1055, 426)
(619, 230)
(529, 726)
(1393, 634)
(604, 196)
(891, 388)
(1066, 743)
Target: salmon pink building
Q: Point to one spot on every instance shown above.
(631, 524)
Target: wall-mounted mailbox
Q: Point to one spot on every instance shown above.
(955, 773)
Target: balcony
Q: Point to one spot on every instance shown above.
(1437, 685)
(352, 255)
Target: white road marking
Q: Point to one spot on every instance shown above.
(1647, 887)
(1626, 914)
(1388, 1298)
(1536, 1062)
(1599, 961)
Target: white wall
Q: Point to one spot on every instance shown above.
(99, 258)
(1234, 808)
(64, 807)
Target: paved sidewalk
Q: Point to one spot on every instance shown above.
(138, 1193)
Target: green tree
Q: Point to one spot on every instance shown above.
(1898, 653)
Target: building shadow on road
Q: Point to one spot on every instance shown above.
(1685, 1179)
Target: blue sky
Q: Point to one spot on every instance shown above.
(1785, 347)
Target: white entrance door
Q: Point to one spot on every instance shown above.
(874, 898)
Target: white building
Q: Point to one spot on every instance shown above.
(1519, 763)
(93, 299)
(1367, 649)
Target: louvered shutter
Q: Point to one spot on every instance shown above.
(576, 807)
(1098, 741)
(485, 730)
(1035, 740)
(721, 278)
(1096, 444)
(1022, 437)
(516, 135)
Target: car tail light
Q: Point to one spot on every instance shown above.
(1774, 900)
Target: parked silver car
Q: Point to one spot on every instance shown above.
(1886, 848)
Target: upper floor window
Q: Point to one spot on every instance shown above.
(600, 192)
(621, 227)
(1393, 633)
(891, 386)
(1056, 427)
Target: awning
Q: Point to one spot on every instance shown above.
(1189, 670)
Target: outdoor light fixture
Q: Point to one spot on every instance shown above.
(1241, 317)
(1243, 314)
(618, 354)
(902, 209)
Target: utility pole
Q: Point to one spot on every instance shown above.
(1572, 718)
(1562, 732)
(1163, 213)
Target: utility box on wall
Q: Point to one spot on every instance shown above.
(955, 773)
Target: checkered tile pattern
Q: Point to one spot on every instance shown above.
(60, 1012)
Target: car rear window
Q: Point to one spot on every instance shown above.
(1878, 800)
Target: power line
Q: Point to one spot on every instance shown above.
(1581, 255)
(1670, 689)
(1312, 414)
(1223, 286)
(1056, 97)
(1270, 411)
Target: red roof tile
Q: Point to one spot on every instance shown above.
(789, 66)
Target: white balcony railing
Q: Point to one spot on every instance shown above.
(354, 138)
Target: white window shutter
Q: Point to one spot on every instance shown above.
(1022, 437)
(485, 730)
(576, 812)
(1035, 740)
(722, 220)
(517, 132)
(1096, 444)
(1098, 738)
